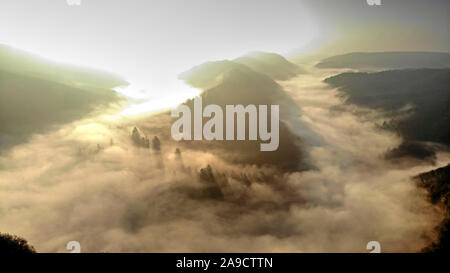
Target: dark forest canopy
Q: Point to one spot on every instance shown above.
(416, 100)
(12, 244)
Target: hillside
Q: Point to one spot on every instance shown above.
(417, 101)
(209, 74)
(239, 84)
(437, 183)
(270, 64)
(36, 95)
(23, 63)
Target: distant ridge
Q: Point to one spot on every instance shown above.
(270, 64)
(417, 100)
(209, 74)
(21, 62)
(389, 60)
(36, 95)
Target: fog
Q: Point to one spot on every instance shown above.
(87, 182)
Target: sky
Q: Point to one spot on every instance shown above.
(396, 25)
(151, 42)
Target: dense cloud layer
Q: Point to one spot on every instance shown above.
(87, 182)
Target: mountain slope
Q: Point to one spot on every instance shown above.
(21, 62)
(235, 84)
(270, 64)
(437, 183)
(417, 100)
(208, 75)
(36, 95)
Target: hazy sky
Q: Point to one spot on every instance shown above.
(397, 25)
(150, 42)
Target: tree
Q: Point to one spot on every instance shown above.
(145, 142)
(138, 140)
(156, 144)
(136, 137)
(206, 174)
(12, 244)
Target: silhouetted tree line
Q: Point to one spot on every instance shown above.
(138, 140)
(206, 174)
(12, 244)
(437, 182)
(143, 141)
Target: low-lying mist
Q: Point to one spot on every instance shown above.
(88, 182)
